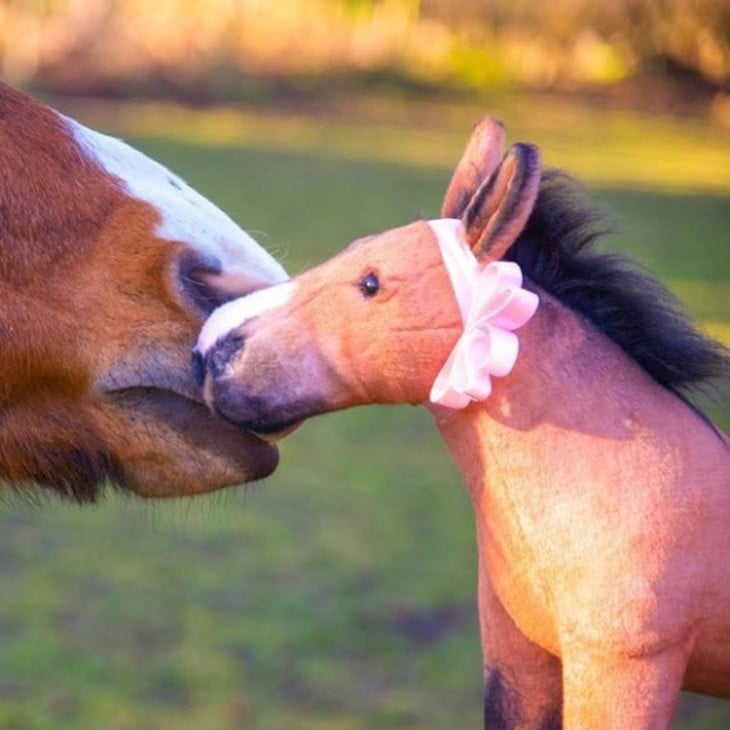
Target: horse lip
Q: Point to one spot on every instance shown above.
(157, 380)
(153, 375)
(197, 402)
(270, 434)
(273, 438)
(239, 444)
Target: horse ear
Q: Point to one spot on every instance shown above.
(481, 157)
(499, 209)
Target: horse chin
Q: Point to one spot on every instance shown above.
(279, 434)
(269, 429)
(203, 452)
(262, 415)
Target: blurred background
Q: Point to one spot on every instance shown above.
(213, 50)
(339, 594)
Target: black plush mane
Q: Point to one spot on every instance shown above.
(557, 251)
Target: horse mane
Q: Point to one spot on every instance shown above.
(557, 251)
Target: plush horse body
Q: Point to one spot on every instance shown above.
(108, 265)
(601, 496)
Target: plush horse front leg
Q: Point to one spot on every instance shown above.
(522, 682)
(625, 693)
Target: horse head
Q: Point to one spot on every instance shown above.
(377, 322)
(109, 264)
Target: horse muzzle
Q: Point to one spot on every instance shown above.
(249, 392)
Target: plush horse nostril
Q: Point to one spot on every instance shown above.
(221, 353)
(198, 363)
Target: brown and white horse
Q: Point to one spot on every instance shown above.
(108, 265)
(602, 498)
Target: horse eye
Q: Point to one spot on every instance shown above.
(370, 285)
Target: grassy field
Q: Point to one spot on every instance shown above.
(340, 594)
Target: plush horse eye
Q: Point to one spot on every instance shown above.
(370, 285)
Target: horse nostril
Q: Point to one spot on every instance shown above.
(198, 363)
(222, 352)
(202, 281)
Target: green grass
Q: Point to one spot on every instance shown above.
(340, 594)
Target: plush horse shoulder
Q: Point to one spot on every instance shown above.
(557, 377)
(108, 265)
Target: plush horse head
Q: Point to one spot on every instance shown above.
(108, 265)
(602, 498)
(376, 323)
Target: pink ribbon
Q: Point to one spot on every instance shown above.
(493, 304)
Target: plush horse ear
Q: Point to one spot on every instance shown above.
(481, 157)
(499, 209)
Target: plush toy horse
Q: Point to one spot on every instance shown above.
(602, 497)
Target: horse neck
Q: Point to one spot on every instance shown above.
(571, 386)
(577, 434)
(509, 447)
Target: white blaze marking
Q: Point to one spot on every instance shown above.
(233, 314)
(186, 215)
